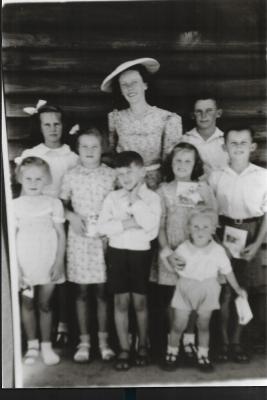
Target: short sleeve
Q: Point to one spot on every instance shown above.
(58, 212)
(65, 191)
(172, 133)
(224, 262)
(113, 137)
(163, 217)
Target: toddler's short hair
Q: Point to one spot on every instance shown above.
(32, 161)
(126, 158)
(240, 128)
(206, 212)
(91, 131)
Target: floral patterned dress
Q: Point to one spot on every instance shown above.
(152, 136)
(86, 189)
(175, 212)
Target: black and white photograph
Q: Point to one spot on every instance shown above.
(134, 188)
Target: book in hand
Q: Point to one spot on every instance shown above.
(235, 240)
(243, 310)
(188, 195)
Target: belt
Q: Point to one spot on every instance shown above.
(238, 221)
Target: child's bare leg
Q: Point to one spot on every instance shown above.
(121, 308)
(180, 321)
(226, 299)
(62, 327)
(105, 350)
(82, 309)
(140, 306)
(44, 303)
(28, 317)
(203, 323)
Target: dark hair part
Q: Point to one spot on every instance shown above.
(126, 158)
(91, 131)
(119, 100)
(32, 161)
(198, 166)
(206, 96)
(239, 128)
(36, 133)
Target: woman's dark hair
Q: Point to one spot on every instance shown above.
(36, 135)
(198, 166)
(119, 101)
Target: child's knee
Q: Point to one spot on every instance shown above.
(82, 294)
(121, 303)
(28, 303)
(44, 306)
(140, 304)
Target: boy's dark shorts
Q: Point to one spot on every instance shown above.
(128, 270)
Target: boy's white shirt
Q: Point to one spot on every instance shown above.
(203, 262)
(146, 211)
(240, 196)
(211, 150)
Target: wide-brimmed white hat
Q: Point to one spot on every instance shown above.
(150, 64)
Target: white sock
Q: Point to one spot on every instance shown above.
(33, 344)
(48, 354)
(103, 339)
(202, 352)
(85, 338)
(173, 350)
(189, 338)
(62, 327)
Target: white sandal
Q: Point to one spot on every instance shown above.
(31, 356)
(107, 353)
(82, 355)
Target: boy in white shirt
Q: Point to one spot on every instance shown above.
(206, 136)
(130, 219)
(241, 192)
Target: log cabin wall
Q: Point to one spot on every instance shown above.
(62, 51)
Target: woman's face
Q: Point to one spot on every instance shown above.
(51, 128)
(132, 86)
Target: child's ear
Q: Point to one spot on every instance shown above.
(145, 86)
(219, 113)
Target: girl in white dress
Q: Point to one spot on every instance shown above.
(84, 188)
(49, 133)
(40, 244)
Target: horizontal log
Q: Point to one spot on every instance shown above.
(39, 85)
(98, 64)
(191, 41)
(239, 16)
(100, 106)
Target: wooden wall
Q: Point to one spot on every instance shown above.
(62, 51)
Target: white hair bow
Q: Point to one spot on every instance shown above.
(74, 129)
(34, 110)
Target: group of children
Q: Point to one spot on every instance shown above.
(113, 219)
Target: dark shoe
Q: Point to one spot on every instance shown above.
(239, 355)
(204, 364)
(123, 361)
(224, 353)
(142, 358)
(170, 362)
(190, 354)
(62, 339)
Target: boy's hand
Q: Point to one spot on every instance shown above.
(78, 224)
(176, 261)
(242, 293)
(130, 223)
(250, 251)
